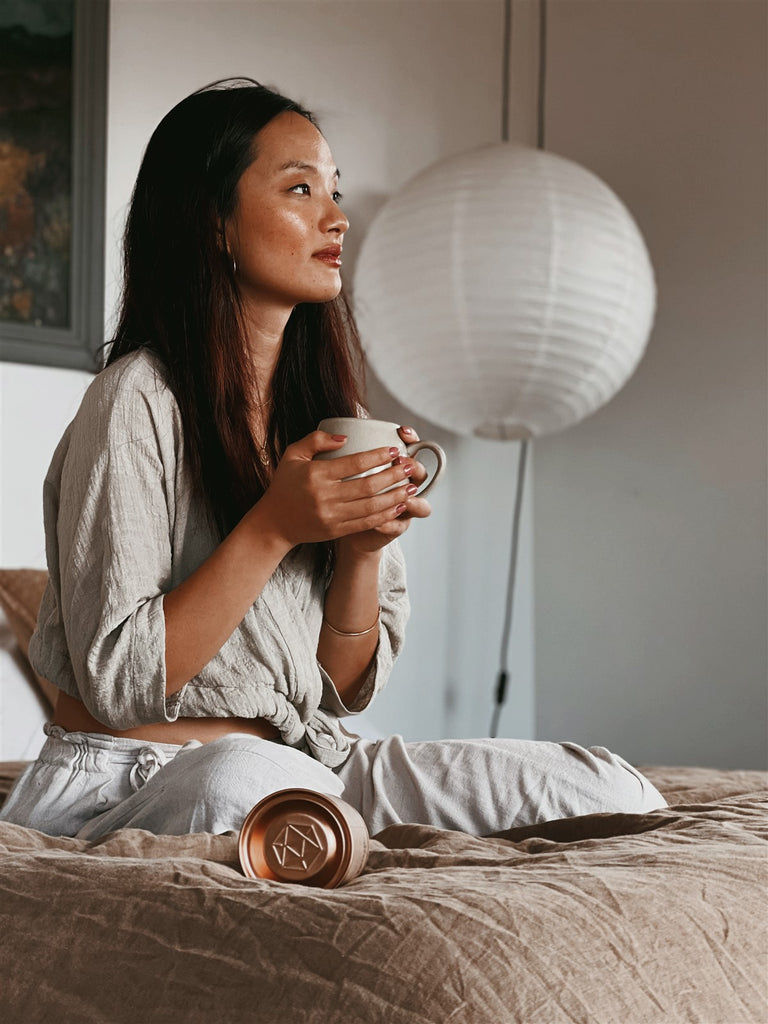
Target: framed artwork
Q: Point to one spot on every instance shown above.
(53, 82)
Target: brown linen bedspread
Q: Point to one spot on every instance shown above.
(604, 919)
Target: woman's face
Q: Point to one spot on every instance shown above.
(287, 230)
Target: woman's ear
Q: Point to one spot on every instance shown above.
(226, 247)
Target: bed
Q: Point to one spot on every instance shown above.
(615, 918)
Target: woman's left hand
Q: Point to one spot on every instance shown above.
(371, 541)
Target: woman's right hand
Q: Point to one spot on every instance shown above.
(310, 501)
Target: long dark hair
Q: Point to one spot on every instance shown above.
(180, 301)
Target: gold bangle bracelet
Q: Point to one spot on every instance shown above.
(362, 632)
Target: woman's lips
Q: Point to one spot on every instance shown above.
(331, 255)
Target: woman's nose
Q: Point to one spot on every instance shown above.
(334, 218)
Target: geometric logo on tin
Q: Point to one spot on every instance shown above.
(297, 847)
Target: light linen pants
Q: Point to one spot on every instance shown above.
(87, 785)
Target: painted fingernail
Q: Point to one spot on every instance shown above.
(400, 509)
(411, 489)
(339, 437)
(406, 430)
(407, 468)
(394, 451)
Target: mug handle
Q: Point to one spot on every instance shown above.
(439, 454)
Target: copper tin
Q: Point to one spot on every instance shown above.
(296, 835)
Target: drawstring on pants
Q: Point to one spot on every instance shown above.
(149, 761)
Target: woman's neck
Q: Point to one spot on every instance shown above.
(264, 331)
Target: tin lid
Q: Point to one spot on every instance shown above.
(296, 835)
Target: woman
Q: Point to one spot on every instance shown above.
(217, 599)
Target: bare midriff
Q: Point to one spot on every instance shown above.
(73, 716)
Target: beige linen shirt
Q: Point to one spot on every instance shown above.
(123, 527)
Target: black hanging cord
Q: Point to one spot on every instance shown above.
(506, 70)
(542, 97)
(503, 677)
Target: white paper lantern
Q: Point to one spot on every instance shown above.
(505, 292)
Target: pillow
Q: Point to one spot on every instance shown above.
(21, 591)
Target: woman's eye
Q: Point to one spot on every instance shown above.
(304, 190)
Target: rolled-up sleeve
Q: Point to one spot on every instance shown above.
(395, 609)
(108, 503)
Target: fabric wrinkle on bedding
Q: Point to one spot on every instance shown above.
(621, 917)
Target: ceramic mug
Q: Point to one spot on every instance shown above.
(363, 435)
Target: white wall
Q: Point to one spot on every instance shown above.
(36, 404)
(650, 532)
